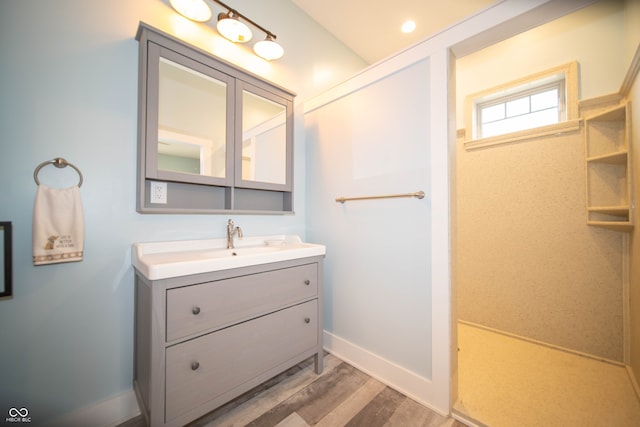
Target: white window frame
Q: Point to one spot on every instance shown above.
(527, 93)
(565, 77)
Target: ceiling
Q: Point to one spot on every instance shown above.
(371, 28)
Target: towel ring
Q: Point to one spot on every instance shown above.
(58, 162)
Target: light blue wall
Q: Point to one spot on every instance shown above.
(68, 85)
(376, 141)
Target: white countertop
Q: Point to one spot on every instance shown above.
(161, 260)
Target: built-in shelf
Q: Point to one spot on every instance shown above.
(608, 168)
(620, 211)
(619, 158)
(611, 225)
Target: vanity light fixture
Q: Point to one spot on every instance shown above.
(268, 48)
(230, 26)
(196, 10)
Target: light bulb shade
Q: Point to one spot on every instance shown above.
(232, 29)
(196, 10)
(268, 49)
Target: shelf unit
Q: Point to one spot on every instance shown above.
(608, 168)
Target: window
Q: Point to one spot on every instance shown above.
(545, 99)
(525, 110)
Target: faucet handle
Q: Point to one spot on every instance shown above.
(239, 232)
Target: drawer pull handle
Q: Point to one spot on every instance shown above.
(195, 310)
(307, 320)
(194, 366)
(307, 282)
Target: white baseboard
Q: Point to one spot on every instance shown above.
(107, 413)
(401, 379)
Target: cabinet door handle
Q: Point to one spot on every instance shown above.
(195, 310)
(194, 366)
(307, 320)
(307, 282)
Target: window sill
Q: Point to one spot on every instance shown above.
(508, 138)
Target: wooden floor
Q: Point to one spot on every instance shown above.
(340, 396)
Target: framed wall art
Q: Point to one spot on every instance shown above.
(6, 257)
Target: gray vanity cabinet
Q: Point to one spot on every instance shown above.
(204, 339)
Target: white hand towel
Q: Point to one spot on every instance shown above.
(58, 225)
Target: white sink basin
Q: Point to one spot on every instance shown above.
(161, 260)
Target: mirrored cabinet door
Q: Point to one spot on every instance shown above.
(264, 139)
(190, 131)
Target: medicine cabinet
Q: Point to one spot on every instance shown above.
(213, 138)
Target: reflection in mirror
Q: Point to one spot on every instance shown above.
(181, 153)
(264, 140)
(192, 121)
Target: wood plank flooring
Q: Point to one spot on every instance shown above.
(341, 396)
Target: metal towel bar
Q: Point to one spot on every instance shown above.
(417, 195)
(58, 162)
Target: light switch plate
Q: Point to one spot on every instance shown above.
(158, 193)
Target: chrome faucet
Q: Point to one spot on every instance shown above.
(231, 230)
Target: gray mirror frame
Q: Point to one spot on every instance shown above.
(7, 290)
(152, 171)
(288, 104)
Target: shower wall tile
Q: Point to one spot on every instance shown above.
(528, 264)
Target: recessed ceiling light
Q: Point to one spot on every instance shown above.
(408, 26)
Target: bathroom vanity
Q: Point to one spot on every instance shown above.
(212, 323)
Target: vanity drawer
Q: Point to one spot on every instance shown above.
(218, 304)
(202, 369)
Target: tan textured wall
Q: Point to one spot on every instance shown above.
(527, 262)
(634, 276)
